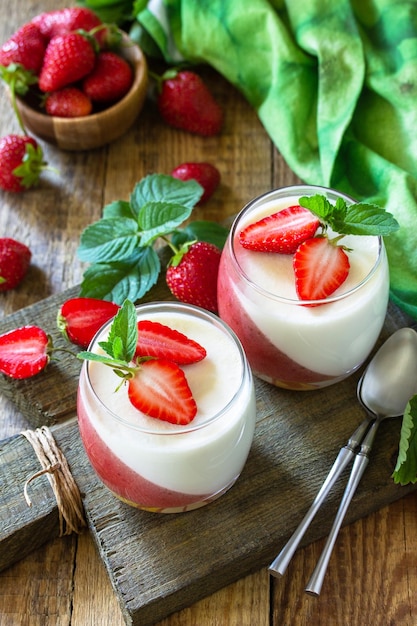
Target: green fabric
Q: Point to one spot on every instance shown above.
(335, 85)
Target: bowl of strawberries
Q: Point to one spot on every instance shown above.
(74, 81)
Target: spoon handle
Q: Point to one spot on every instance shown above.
(281, 562)
(361, 461)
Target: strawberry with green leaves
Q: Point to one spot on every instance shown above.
(21, 162)
(24, 352)
(184, 101)
(110, 80)
(206, 174)
(68, 59)
(192, 274)
(15, 259)
(79, 319)
(124, 246)
(157, 386)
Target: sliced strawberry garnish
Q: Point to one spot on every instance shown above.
(320, 267)
(160, 389)
(280, 232)
(24, 352)
(161, 341)
(79, 319)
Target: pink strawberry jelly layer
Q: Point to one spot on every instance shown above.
(122, 480)
(265, 359)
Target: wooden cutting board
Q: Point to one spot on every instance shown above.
(157, 563)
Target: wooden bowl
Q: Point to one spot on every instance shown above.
(97, 129)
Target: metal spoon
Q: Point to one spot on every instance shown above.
(384, 389)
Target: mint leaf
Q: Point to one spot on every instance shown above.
(158, 219)
(120, 209)
(355, 219)
(201, 230)
(123, 336)
(129, 279)
(406, 468)
(164, 188)
(108, 239)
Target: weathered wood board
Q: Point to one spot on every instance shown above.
(159, 564)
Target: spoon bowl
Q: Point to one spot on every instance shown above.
(390, 379)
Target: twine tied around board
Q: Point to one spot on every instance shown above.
(56, 468)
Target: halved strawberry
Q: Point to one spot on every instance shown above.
(281, 232)
(161, 341)
(24, 352)
(320, 267)
(160, 389)
(80, 318)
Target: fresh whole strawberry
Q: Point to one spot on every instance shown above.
(61, 21)
(14, 262)
(79, 319)
(26, 47)
(68, 102)
(160, 341)
(204, 173)
(21, 162)
(192, 275)
(184, 101)
(160, 389)
(24, 352)
(320, 267)
(281, 232)
(68, 59)
(110, 79)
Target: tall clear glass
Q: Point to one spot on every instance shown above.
(163, 467)
(287, 341)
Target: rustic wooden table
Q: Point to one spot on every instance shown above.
(373, 572)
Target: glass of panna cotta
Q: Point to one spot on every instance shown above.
(293, 343)
(163, 467)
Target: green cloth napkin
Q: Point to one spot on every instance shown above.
(333, 82)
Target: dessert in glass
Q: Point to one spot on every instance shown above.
(294, 343)
(156, 465)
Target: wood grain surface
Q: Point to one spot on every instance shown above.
(372, 575)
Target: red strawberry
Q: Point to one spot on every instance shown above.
(280, 232)
(14, 262)
(68, 59)
(192, 275)
(320, 268)
(160, 389)
(21, 162)
(61, 21)
(79, 319)
(24, 352)
(204, 173)
(110, 79)
(160, 341)
(185, 102)
(26, 47)
(68, 102)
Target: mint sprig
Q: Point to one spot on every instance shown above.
(120, 345)
(406, 467)
(121, 247)
(354, 219)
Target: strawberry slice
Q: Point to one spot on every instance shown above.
(160, 389)
(280, 232)
(24, 352)
(320, 267)
(161, 341)
(79, 319)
